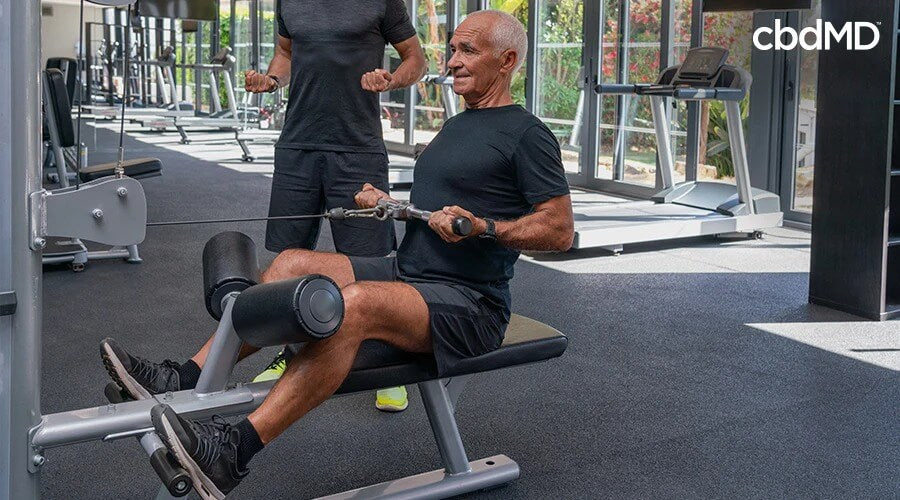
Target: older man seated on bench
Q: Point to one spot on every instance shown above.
(442, 294)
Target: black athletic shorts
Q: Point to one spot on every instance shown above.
(463, 322)
(311, 182)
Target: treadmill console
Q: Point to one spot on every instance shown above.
(701, 67)
(221, 56)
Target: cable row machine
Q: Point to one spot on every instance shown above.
(66, 247)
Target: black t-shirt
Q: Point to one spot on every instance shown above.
(493, 162)
(333, 43)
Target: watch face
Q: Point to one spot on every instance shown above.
(490, 232)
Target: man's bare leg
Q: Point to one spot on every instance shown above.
(142, 378)
(392, 312)
(293, 263)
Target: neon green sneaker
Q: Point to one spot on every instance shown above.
(392, 399)
(274, 370)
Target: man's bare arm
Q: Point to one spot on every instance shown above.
(551, 227)
(279, 67)
(410, 71)
(412, 63)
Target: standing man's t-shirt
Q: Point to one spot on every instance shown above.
(333, 43)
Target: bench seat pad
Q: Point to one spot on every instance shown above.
(378, 365)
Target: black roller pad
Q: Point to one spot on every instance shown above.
(305, 309)
(230, 265)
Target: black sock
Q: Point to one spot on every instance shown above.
(188, 375)
(249, 443)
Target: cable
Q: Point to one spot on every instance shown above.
(378, 213)
(81, 57)
(120, 170)
(224, 221)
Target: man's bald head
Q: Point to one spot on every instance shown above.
(505, 32)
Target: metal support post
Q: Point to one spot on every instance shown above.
(222, 355)
(739, 154)
(663, 142)
(439, 408)
(20, 267)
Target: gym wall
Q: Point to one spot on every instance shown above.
(59, 27)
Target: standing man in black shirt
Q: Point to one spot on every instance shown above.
(331, 143)
(443, 294)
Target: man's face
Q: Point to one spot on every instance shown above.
(473, 64)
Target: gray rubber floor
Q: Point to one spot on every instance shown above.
(695, 369)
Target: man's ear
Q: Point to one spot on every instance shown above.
(508, 60)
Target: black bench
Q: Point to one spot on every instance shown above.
(378, 365)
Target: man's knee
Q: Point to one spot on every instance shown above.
(289, 264)
(357, 308)
(370, 312)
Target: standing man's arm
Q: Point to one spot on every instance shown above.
(410, 71)
(279, 74)
(397, 30)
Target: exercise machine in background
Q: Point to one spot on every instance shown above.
(227, 118)
(171, 107)
(694, 208)
(60, 136)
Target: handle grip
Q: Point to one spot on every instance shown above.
(461, 225)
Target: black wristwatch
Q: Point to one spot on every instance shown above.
(277, 83)
(490, 232)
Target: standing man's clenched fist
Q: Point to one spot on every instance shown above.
(259, 83)
(378, 80)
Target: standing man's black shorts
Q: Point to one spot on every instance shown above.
(311, 182)
(463, 322)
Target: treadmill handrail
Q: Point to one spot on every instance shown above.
(618, 88)
(677, 92)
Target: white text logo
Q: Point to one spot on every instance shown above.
(822, 36)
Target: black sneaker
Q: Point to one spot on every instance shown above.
(207, 451)
(140, 378)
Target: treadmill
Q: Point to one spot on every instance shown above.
(694, 208)
(165, 80)
(229, 119)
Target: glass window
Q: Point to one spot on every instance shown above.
(631, 54)
(609, 73)
(734, 31)
(560, 97)
(805, 143)
(431, 24)
(519, 10)
(681, 42)
(393, 104)
(640, 56)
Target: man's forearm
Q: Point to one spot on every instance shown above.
(280, 67)
(410, 71)
(538, 231)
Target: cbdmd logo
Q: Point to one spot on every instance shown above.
(822, 36)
